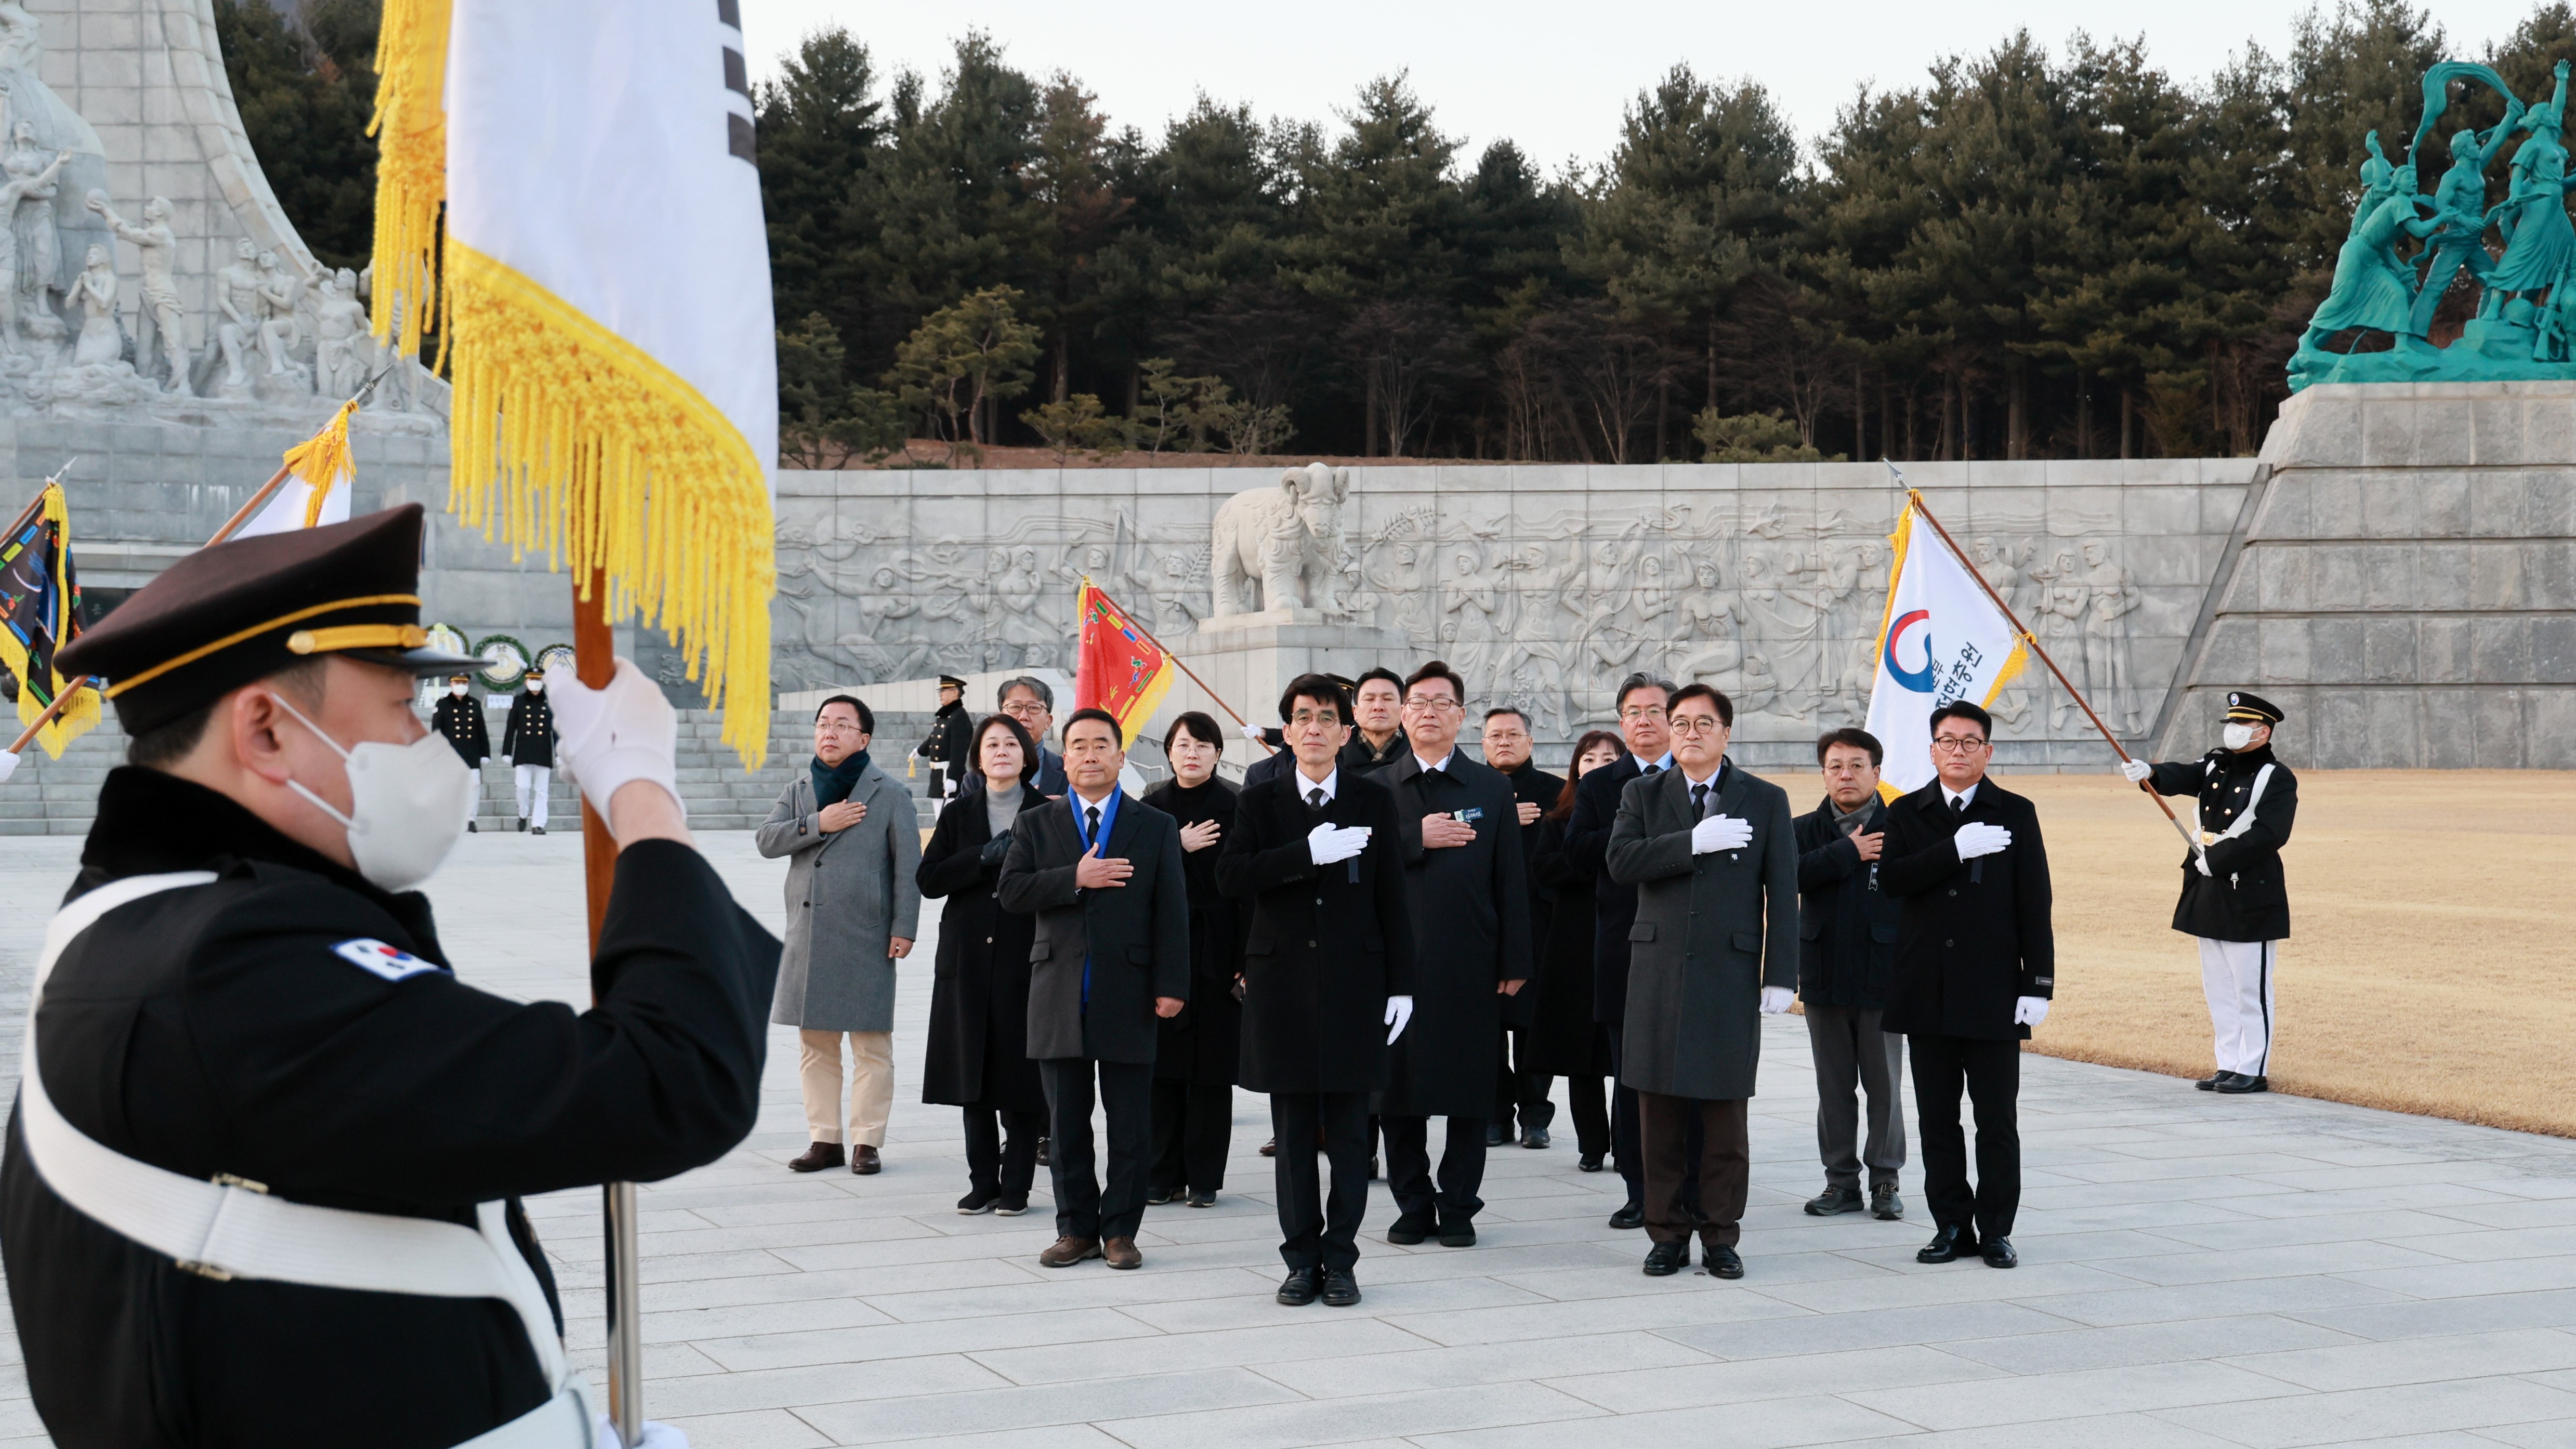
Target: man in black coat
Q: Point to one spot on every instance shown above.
(950, 740)
(1640, 701)
(1976, 965)
(2234, 899)
(459, 718)
(1847, 936)
(528, 748)
(1377, 740)
(1328, 966)
(1508, 747)
(1102, 874)
(1467, 889)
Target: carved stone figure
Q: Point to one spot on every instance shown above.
(12, 191)
(340, 340)
(39, 240)
(1284, 538)
(278, 292)
(237, 298)
(2110, 598)
(102, 342)
(157, 244)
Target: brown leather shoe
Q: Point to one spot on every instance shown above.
(1121, 1253)
(865, 1162)
(818, 1155)
(1068, 1251)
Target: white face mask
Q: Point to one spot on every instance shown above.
(407, 804)
(536, 686)
(456, 689)
(2236, 736)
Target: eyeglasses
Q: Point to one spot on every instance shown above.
(1025, 709)
(1696, 724)
(1642, 711)
(1957, 744)
(1432, 703)
(837, 727)
(1315, 716)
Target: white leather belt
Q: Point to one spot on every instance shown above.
(232, 1228)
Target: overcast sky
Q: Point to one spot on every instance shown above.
(1552, 77)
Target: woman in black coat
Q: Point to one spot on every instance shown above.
(1563, 1039)
(977, 1057)
(1194, 1064)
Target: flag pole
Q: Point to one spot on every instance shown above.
(1178, 663)
(1914, 497)
(594, 649)
(37, 504)
(277, 480)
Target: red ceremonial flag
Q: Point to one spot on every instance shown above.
(1117, 668)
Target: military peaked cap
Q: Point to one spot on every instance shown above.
(951, 681)
(2252, 708)
(243, 610)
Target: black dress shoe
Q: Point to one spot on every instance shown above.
(1946, 1246)
(469, 828)
(978, 1202)
(1160, 1196)
(1298, 1289)
(1457, 1235)
(1534, 1138)
(1631, 1216)
(818, 1156)
(1408, 1230)
(1270, 1148)
(1497, 1133)
(1722, 1262)
(1591, 1163)
(1341, 1290)
(1663, 1260)
(1998, 1253)
(865, 1162)
(536, 830)
(1202, 1199)
(2210, 1083)
(1885, 1205)
(2238, 1084)
(1834, 1200)
(1011, 1205)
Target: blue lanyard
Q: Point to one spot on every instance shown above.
(1108, 818)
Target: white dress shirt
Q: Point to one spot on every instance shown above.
(1306, 788)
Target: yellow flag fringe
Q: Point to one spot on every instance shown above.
(82, 714)
(323, 462)
(410, 127)
(599, 456)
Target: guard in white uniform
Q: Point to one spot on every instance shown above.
(262, 1183)
(2233, 897)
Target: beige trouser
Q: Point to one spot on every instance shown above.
(818, 1072)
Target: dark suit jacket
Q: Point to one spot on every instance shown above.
(1356, 756)
(1328, 944)
(1471, 931)
(1135, 936)
(1846, 923)
(1614, 905)
(1711, 931)
(1974, 934)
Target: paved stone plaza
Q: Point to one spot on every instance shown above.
(2195, 1271)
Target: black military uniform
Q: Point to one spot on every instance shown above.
(257, 1031)
(951, 740)
(528, 744)
(459, 717)
(2233, 896)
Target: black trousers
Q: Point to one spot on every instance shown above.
(1519, 1093)
(1193, 1129)
(1624, 1134)
(1316, 1231)
(1587, 1102)
(994, 1164)
(1083, 1208)
(1991, 1072)
(1462, 1168)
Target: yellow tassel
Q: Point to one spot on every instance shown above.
(571, 441)
(323, 462)
(410, 127)
(82, 714)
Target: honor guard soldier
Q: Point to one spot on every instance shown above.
(947, 748)
(262, 1181)
(2233, 898)
(459, 717)
(528, 748)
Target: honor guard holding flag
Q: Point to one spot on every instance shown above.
(2233, 899)
(947, 749)
(262, 1183)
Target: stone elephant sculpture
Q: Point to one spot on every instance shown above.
(1283, 538)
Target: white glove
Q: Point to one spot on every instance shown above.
(1721, 832)
(505, 762)
(606, 737)
(1975, 839)
(656, 1436)
(2200, 862)
(8, 765)
(1775, 999)
(2030, 1010)
(2136, 770)
(1331, 844)
(1253, 733)
(1399, 1010)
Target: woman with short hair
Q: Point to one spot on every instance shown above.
(1563, 1039)
(1194, 1064)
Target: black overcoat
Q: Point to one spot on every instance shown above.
(1471, 932)
(460, 719)
(1846, 923)
(1712, 930)
(1973, 935)
(1326, 945)
(950, 741)
(978, 1051)
(220, 1029)
(1614, 904)
(1563, 1040)
(1203, 1043)
(2245, 896)
(528, 738)
(1135, 937)
(1533, 786)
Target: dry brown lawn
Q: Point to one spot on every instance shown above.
(2432, 960)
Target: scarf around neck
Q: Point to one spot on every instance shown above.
(833, 783)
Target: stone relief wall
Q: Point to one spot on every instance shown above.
(1543, 585)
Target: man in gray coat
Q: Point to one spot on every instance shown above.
(853, 844)
(1712, 853)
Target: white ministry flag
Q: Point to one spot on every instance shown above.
(319, 475)
(1942, 639)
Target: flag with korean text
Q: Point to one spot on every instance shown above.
(1117, 668)
(1942, 639)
